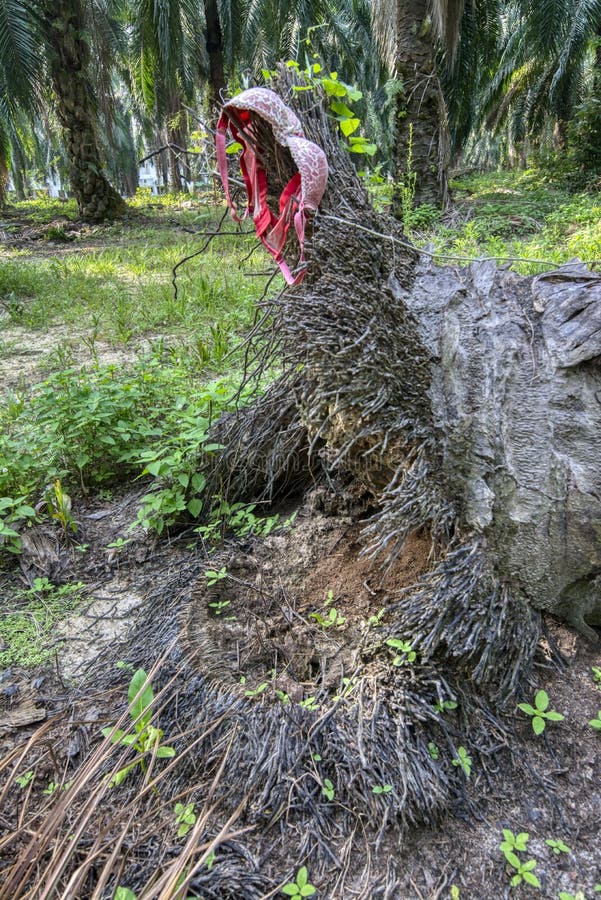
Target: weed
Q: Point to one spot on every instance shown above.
(442, 706)
(309, 703)
(124, 893)
(540, 713)
(596, 670)
(146, 737)
(300, 887)
(213, 577)
(382, 789)
(59, 507)
(511, 845)
(28, 630)
(557, 846)
(23, 780)
(433, 750)
(327, 789)
(251, 694)
(464, 761)
(332, 619)
(15, 514)
(185, 818)
(404, 654)
(565, 895)
(596, 723)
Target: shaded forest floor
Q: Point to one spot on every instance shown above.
(88, 316)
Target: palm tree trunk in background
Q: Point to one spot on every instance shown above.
(177, 133)
(421, 121)
(214, 45)
(69, 55)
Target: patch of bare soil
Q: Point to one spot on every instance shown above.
(263, 623)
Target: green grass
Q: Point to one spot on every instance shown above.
(518, 214)
(115, 281)
(28, 628)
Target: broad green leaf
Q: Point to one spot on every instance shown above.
(521, 840)
(538, 725)
(554, 716)
(354, 94)
(302, 876)
(348, 126)
(194, 506)
(307, 890)
(517, 879)
(512, 859)
(529, 878)
(541, 700)
(233, 148)
(165, 752)
(333, 89)
(140, 696)
(198, 481)
(529, 710)
(123, 893)
(290, 890)
(341, 109)
(528, 866)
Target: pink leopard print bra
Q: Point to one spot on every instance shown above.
(303, 191)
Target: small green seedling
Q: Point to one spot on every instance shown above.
(327, 789)
(283, 697)
(454, 892)
(565, 895)
(464, 761)
(23, 780)
(540, 712)
(118, 545)
(258, 690)
(329, 598)
(147, 738)
(510, 847)
(210, 860)
(596, 670)
(218, 606)
(213, 577)
(596, 723)
(444, 705)
(433, 750)
(54, 786)
(123, 893)
(184, 817)
(382, 789)
(332, 619)
(376, 620)
(309, 703)
(348, 685)
(557, 846)
(316, 757)
(299, 888)
(404, 652)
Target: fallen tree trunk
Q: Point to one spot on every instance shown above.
(466, 401)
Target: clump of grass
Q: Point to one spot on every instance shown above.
(28, 628)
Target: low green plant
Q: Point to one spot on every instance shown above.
(566, 895)
(28, 630)
(59, 505)
(300, 887)
(15, 514)
(23, 780)
(309, 703)
(404, 654)
(540, 712)
(146, 738)
(256, 692)
(213, 576)
(333, 619)
(382, 789)
(510, 846)
(557, 846)
(463, 761)
(433, 750)
(442, 706)
(124, 893)
(596, 670)
(218, 606)
(596, 723)
(185, 818)
(327, 789)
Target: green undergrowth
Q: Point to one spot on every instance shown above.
(516, 214)
(84, 430)
(27, 629)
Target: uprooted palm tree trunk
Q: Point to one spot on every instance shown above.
(466, 401)
(456, 409)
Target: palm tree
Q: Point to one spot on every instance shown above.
(44, 49)
(437, 49)
(548, 65)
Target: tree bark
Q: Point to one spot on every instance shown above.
(68, 60)
(214, 45)
(421, 121)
